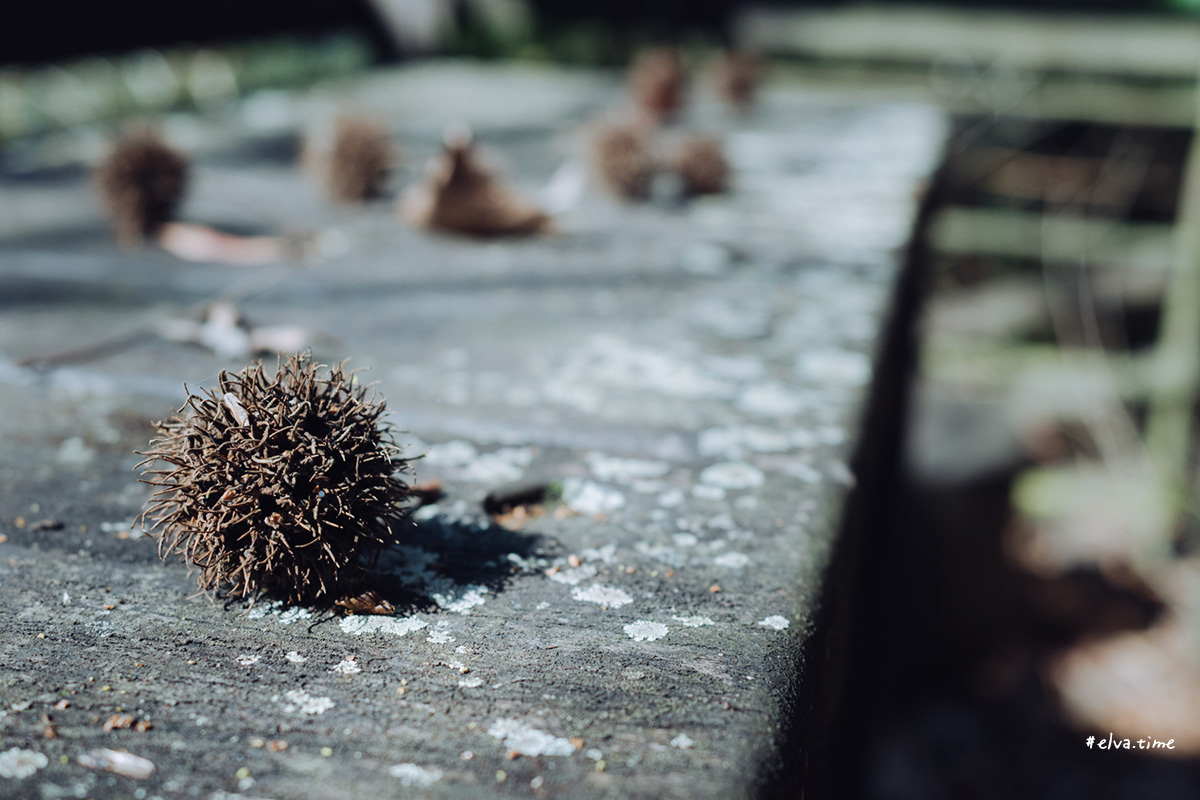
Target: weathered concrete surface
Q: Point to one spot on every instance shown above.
(694, 377)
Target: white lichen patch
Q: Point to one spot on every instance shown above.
(358, 625)
(608, 596)
(624, 470)
(347, 666)
(527, 740)
(732, 560)
(571, 576)
(645, 630)
(440, 635)
(18, 764)
(471, 683)
(282, 614)
(829, 366)
(301, 702)
(694, 622)
(295, 657)
(732, 475)
(247, 661)
(294, 614)
(459, 599)
(413, 775)
(589, 497)
(775, 622)
(682, 741)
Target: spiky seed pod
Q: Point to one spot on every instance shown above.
(702, 167)
(622, 160)
(737, 76)
(277, 485)
(657, 80)
(141, 182)
(460, 195)
(359, 160)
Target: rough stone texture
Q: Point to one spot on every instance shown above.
(693, 377)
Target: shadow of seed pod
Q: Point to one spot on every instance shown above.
(141, 183)
(737, 77)
(702, 167)
(658, 81)
(462, 196)
(359, 158)
(277, 485)
(622, 159)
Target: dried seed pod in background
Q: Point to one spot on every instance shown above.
(658, 81)
(358, 161)
(737, 76)
(461, 196)
(702, 166)
(622, 159)
(277, 485)
(141, 182)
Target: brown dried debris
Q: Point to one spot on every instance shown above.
(623, 160)
(368, 602)
(702, 166)
(355, 168)
(737, 76)
(141, 182)
(278, 484)
(657, 80)
(118, 721)
(461, 196)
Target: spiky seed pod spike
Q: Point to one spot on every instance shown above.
(141, 183)
(359, 161)
(657, 80)
(737, 76)
(622, 160)
(702, 166)
(277, 485)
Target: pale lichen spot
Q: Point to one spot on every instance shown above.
(19, 764)
(645, 630)
(301, 702)
(529, 741)
(413, 775)
(775, 622)
(608, 596)
(358, 625)
(589, 497)
(347, 666)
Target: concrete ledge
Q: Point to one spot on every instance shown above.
(696, 379)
